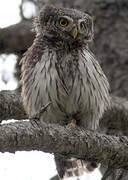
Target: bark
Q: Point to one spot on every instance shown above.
(117, 174)
(11, 105)
(68, 141)
(116, 125)
(115, 120)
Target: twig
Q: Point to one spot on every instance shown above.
(35, 118)
(41, 111)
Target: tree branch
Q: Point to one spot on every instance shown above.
(71, 142)
(11, 106)
(16, 38)
(114, 121)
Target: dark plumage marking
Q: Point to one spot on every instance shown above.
(94, 87)
(61, 107)
(50, 59)
(38, 93)
(82, 54)
(61, 79)
(57, 90)
(87, 71)
(43, 68)
(45, 73)
(80, 95)
(35, 87)
(49, 96)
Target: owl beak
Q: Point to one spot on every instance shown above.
(74, 32)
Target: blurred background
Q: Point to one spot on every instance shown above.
(110, 45)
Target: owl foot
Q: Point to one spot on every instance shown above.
(72, 124)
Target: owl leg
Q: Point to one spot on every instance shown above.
(73, 123)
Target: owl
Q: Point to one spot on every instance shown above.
(60, 68)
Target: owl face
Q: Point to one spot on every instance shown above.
(64, 24)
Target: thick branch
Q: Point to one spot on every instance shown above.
(114, 120)
(11, 106)
(72, 142)
(16, 38)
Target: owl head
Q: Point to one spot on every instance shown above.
(63, 24)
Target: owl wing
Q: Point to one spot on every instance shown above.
(30, 79)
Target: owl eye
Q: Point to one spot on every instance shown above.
(82, 26)
(63, 22)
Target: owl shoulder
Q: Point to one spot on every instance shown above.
(33, 54)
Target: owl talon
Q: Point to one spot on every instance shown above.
(72, 124)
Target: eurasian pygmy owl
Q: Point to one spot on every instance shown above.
(60, 68)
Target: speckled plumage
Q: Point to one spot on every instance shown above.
(60, 68)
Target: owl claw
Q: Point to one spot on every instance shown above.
(72, 124)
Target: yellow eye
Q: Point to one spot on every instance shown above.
(63, 22)
(82, 26)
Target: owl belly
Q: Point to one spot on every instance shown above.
(64, 104)
(68, 99)
(70, 89)
(68, 103)
(63, 92)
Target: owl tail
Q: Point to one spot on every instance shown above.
(73, 167)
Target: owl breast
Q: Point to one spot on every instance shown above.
(74, 83)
